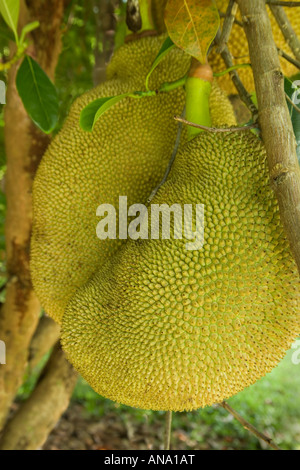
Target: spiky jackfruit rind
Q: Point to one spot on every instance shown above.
(126, 154)
(163, 328)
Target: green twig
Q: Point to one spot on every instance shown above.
(18, 55)
(214, 129)
(230, 69)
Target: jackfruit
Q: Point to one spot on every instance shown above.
(127, 154)
(163, 327)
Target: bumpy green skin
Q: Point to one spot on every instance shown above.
(126, 155)
(163, 328)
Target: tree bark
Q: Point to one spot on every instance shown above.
(25, 146)
(35, 419)
(105, 26)
(274, 118)
(286, 29)
(46, 336)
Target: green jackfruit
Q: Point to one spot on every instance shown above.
(127, 154)
(163, 327)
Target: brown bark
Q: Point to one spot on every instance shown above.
(35, 419)
(274, 118)
(25, 145)
(105, 26)
(286, 29)
(248, 426)
(46, 336)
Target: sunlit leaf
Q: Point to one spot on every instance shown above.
(192, 25)
(93, 111)
(164, 50)
(38, 94)
(10, 9)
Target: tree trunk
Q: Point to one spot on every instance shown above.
(274, 118)
(25, 146)
(32, 423)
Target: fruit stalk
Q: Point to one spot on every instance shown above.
(198, 87)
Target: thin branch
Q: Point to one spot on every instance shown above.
(172, 159)
(244, 95)
(292, 103)
(286, 29)
(214, 129)
(167, 440)
(288, 58)
(248, 426)
(274, 118)
(283, 4)
(237, 22)
(227, 25)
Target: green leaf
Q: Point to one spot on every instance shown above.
(38, 94)
(10, 9)
(27, 29)
(164, 50)
(93, 111)
(292, 89)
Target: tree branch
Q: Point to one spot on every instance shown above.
(286, 29)
(46, 336)
(274, 118)
(287, 57)
(227, 25)
(25, 146)
(248, 426)
(283, 3)
(35, 419)
(243, 93)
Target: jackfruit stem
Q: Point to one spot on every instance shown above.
(139, 17)
(198, 87)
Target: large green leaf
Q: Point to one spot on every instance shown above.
(10, 9)
(38, 94)
(292, 89)
(93, 111)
